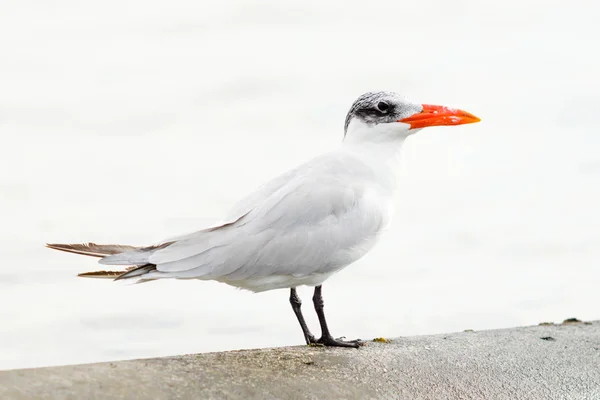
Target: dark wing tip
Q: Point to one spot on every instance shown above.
(137, 271)
(91, 249)
(101, 274)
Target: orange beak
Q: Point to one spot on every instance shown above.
(439, 115)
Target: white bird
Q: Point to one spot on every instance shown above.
(303, 226)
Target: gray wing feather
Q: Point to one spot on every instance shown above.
(309, 220)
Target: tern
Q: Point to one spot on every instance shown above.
(301, 227)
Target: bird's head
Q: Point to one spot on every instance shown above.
(383, 116)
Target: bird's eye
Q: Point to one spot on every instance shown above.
(383, 106)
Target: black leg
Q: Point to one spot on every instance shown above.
(296, 304)
(326, 338)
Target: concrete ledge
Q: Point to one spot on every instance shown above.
(539, 362)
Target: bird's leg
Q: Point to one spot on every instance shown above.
(326, 338)
(296, 304)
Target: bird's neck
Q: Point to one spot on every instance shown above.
(382, 157)
(383, 151)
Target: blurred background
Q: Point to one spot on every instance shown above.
(132, 121)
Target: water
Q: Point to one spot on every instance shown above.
(134, 121)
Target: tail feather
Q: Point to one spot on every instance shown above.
(104, 274)
(138, 256)
(92, 249)
(105, 250)
(137, 271)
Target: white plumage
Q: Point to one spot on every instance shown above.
(297, 229)
(303, 226)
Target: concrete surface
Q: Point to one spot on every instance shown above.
(539, 362)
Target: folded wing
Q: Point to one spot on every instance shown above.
(310, 222)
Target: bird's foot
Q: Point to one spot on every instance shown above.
(329, 341)
(310, 339)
